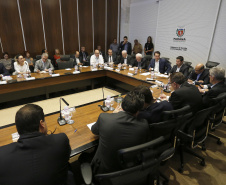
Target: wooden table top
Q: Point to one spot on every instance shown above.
(83, 138)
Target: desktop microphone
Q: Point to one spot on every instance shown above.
(61, 120)
(104, 107)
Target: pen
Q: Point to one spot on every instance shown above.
(75, 130)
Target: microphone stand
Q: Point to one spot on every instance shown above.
(61, 120)
(104, 107)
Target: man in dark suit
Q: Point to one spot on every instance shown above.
(183, 94)
(140, 62)
(125, 45)
(110, 57)
(117, 131)
(83, 55)
(180, 67)
(101, 52)
(36, 158)
(3, 70)
(200, 75)
(217, 78)
(152, 110)
(159, 64)
(125, 59)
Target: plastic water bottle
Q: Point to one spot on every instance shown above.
(50, 71)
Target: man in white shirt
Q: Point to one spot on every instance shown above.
(96, 58)
(77, 61)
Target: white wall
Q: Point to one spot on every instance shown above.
(218, 49)
(138, 25)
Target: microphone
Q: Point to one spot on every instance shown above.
(61, 120)
(104, 107)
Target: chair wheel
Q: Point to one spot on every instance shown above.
(203, 163)
(181, 170)
(219, 142)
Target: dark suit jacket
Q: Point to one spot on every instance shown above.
(106, 59)
(81, 56)
(153, 113)
(204, 76)
(116, 131)
(213, 93)
(164, 65)
(184, 69)
(35, 159)
(122, 47)
(143, 63)
(187, 94)
(129, 60)
(3, 70)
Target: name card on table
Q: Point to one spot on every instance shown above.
(130, 74)
(76, 72)
(55, 75)
(146, 74)
(68, 69)
(30, 78)
(94, 69)
(3, 82)
(131, 69)
(118, 70)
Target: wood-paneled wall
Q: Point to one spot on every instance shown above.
(64, 24)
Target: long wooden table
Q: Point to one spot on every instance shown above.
(83, 138)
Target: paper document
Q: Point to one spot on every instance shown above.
(90, 125)
(146, 74)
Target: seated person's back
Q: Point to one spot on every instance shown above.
(217, 78)
(152, 111)
(36, 158)
(184, 93)
(118, 131)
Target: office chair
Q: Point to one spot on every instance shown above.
(217, 115)
(187, 63)
(65, 62)
(173, 121)
(194, 133)
(148, 57)
(210, 64)
(139, 166)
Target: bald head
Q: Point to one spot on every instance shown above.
(76, 54)
(199, 68)
(97, 53)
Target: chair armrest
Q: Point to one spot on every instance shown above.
(86, 172)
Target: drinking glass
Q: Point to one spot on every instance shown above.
(112, 103)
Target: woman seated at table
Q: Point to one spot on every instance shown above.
(21, 66)
(56, 56)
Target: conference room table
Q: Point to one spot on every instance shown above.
(80, 136)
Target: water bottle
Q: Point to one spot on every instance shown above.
(50, 71)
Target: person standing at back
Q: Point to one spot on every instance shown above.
(125, 45)
(148, 47)
(114, 47)
(36, 158)
(137, 48)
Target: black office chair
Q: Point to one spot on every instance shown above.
(173, 122)
(210, 64)
(65, 62)
(38, 57)
(217, 115)
(193, 134)
(139, 166)
(187, 63)
(148, 57)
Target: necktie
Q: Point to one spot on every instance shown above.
(84, 56)
(110, 59)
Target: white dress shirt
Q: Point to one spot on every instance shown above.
(110, 59)
(96, 60)
(125, 60)
(18, 68)
(178, 69)
(77, 61)
(156, 69)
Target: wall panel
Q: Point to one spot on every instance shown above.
(10, 29)
(85, 24)
(52, 22)
(70, 24)
(112, 21)
(32, 25)
(99, 23)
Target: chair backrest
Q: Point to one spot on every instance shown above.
(72, 56)
(210, 64)
(64, 57)
(219, 111)
(38, 57)
(197, 129)
(187, 63)
(139, 164)
(65, 64)
(148, 57)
